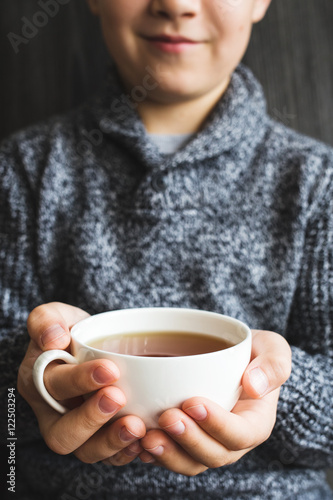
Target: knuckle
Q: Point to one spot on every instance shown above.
(119, 459)
(196, 443)
(84, 456)
(215, 464)
(191, 473)
(78, 380)
(37, 314)
(243, 443)
(224, 458)
(37, 320)
(90, 422)
(24, 380)
(22, 389)
(195, 471)
(230, 460)
(116, 460)
(261, 438)
(40, 317)
(281, 368)
(56, 443)
(218, 461)
(266, 434)
(110, 443)
(252, 439)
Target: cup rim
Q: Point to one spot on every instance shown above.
(144, 310)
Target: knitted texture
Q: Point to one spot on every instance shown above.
(239, 221)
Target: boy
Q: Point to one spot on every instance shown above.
(172, 187)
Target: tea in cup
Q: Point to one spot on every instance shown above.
(165, 356)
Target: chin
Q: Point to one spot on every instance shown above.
(177, 91)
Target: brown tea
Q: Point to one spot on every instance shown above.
(160, 344)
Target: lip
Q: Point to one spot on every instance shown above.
(171, 43)
(170, 38)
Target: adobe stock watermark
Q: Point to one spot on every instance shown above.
(283, 116)
(87, 484)
(120, 107)
(140, 93)
(91, 139)
(31, 27)
(287, 457)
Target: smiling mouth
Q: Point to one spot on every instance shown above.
(170, 39)
(171, 44)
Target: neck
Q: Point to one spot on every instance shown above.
(183, 117)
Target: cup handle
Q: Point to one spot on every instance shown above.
(38, 375)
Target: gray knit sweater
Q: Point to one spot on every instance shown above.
(239, 221)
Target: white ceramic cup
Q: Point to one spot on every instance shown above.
(153, 384)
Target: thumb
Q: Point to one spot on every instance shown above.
(49, 324)
(270, 364)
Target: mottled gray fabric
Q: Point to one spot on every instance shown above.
(239, 221)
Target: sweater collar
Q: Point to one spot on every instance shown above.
(237, 122)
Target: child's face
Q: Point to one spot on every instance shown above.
(220, 30)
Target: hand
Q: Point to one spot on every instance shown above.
(80, 431)
(203, 435)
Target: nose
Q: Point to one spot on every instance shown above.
(173, 9)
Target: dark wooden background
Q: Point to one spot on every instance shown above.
(291, 52)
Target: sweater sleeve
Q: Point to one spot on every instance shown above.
(304, 428)
(19, 285)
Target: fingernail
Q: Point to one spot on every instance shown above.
(126, 435)
(177, 428)
(52, 333)
(198, 412)
(107, 405)
(101, 375)
(259, 381)
(158, 450)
